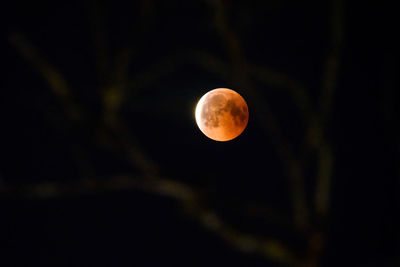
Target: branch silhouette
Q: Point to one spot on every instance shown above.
(113, 133)
(117, 137)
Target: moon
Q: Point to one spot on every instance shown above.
(222, 114)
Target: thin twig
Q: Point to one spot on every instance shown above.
(99, 34)
(297, 91)
(56, 81)
(329, 86)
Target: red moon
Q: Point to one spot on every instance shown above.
(222, 114)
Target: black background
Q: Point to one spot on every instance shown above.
(134, 228)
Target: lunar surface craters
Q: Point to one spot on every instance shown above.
(222, 114)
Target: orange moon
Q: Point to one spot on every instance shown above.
(222, 114)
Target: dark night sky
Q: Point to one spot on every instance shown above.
(133, 228)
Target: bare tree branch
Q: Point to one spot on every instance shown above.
(56, 81)
(332, 63)
(297, 91)
(270, 248)
(241, 74)
(213, 64)
(99, 34)
(116, 136)
(329, 86)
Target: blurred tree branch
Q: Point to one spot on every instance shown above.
(270, 248)
(117, 137)
(99, 32)
(329, 82)
(113, 133)
(49, 73)
(297, 91)
(240, 72)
